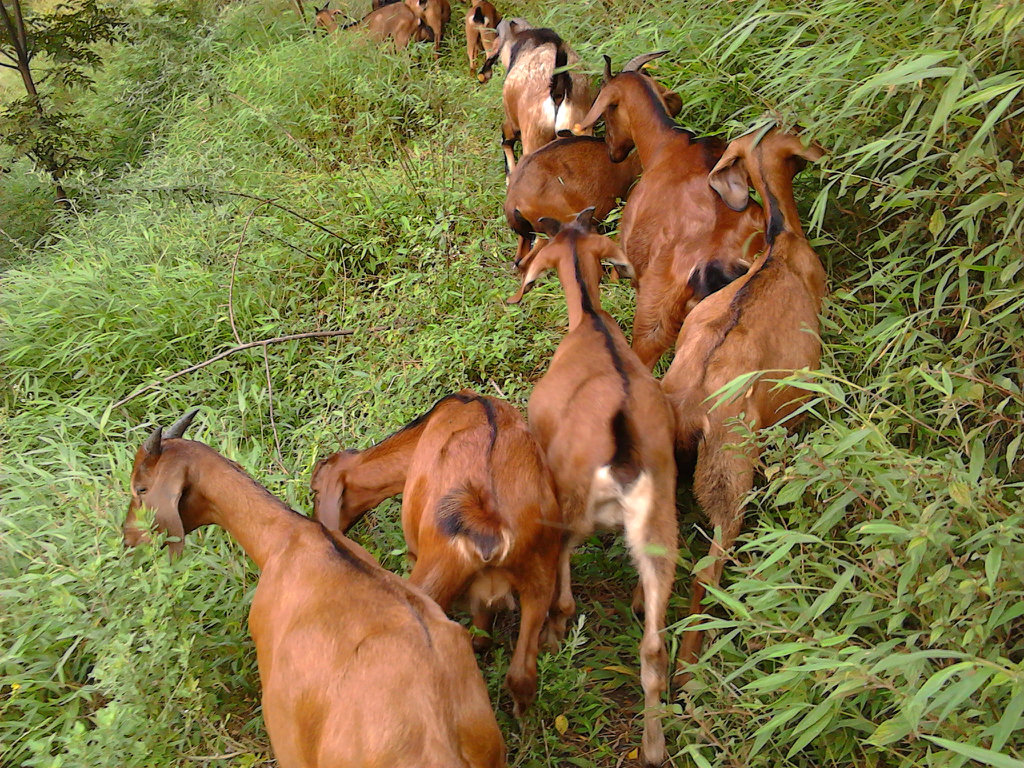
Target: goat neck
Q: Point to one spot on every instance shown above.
(580, 276)
(216, 491)
(640, 119)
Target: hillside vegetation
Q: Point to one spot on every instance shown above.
(254, 181)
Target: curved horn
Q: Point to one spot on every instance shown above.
(152, 445)
(607, 68)
(177, 429)
(637, 63)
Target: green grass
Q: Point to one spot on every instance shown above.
(872, 615)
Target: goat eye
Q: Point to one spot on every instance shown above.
(141, 491)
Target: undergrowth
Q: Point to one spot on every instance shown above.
(257, 181)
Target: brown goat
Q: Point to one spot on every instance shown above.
(482, 20)
(767, 320)
(572, 174)
(478, 510)
(358, 668)
(682, 240)
(395, 20)
(434, 15)
(539, 101)
(606, 429)
(559, 180)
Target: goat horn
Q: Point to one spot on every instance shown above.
(607, 68)
(152, 445)
(637, 63)
(177, 429)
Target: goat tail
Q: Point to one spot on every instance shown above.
(624, 466)
(560, 86)
(467, 515)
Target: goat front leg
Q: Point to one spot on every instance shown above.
(472, 50)
(653, 331)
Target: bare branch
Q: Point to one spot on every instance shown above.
(9, 66)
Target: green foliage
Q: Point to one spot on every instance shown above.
(256, 181)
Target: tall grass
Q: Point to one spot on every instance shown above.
(873, 612)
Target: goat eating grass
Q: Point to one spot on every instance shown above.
(765, 321)
(607, 431)
(478, 511)
(358, 668)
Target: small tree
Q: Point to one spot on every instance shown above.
(36, 126)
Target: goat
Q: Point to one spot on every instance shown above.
(607, 431)
(478, 511)
(434, 15)
(766, 320)
(375, 4)
(358, 668)
(395, 20)
(571, 174)
(682, 240)
(482, 20)
(540, 98)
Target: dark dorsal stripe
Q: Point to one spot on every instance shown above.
(533, 38)
(595, 317)
(423, 417)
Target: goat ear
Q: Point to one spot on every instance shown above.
(549, 226)
(730, 180)
(596, 110)
(673, 101)
(152, 445)
(533, 271)
(607, 68)
(585, 218)
(812, 152)
(177, 429)
(163, 498)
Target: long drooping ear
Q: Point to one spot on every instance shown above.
(177, 429)
(538, 264)
(152, 445)
(730, 180)
(163, 497)
(328, 492)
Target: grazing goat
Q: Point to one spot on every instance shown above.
(559, 180)
(358, 668)
(478, 510)
(569, 175)
(682, 240)
(482, 20)
(395, 20)
(434, 15)
(539, 100)
(767, 320)
(607, 431)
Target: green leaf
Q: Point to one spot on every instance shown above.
(982, 755)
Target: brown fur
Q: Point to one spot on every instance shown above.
(434, 15)
(606, 429)
(766, 320)
(480, 36)
(530, 114)
(395, 20)
(478, 511)
(673, 223)
(561, 179)
(357, 667)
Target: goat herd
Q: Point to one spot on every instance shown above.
(361, 668)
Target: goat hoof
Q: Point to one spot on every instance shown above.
(482, 643)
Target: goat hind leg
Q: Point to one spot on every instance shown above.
(563, 606)
(653, 549)
(521, 680)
